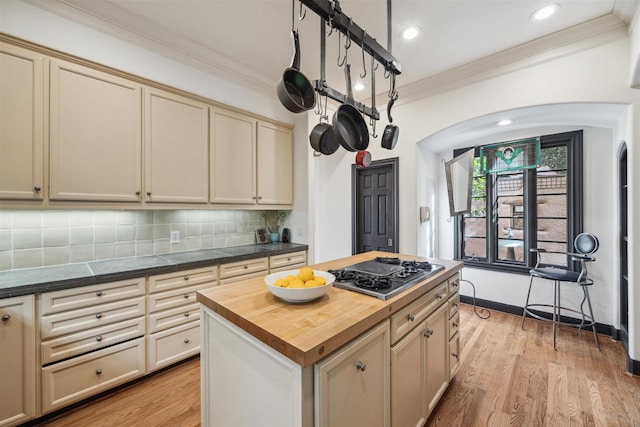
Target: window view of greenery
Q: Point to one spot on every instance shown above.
(508, 216)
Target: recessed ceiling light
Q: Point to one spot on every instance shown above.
(504, 122)
(411, 33)
(359, 86)
(545, 12)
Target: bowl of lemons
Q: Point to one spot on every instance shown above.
(301, 285)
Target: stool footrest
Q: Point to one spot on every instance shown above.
(589, 322)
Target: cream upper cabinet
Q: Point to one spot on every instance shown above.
(95, 135)
(176, 148)
(21, 124)
(275, 164)
(17, 360)
(233, 157)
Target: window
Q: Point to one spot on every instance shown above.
(514, 211)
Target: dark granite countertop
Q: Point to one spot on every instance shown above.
(44, 279)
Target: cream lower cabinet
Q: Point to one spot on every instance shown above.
(352, 385)
(176, 148)
(17, 360)
(454, 326)
(288, 261)
(419, 357)
(95, 148)
(241, 270)
(174, 315)
(92, 338)
(22, 124)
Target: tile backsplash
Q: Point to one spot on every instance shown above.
(42, 238)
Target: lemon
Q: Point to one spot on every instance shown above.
(311, 284)
(281, 282)
(290, 277)
(305, 274)
(296, 283)
(321, 280)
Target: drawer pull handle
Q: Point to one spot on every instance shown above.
(186, 296)
(246, 266)
(455, 305)
(99, 338)
(361, 366)
(98, 371)
(428, 333)
(186, 340)
(6, 317)
(99, 316)
(455, 355)
(455, 324)
(410, 317)
(454, 284)
(186, 314)
(439, 296)
(99, 293)
(288, 259)
(186, 277)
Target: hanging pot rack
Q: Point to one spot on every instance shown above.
(330, 11)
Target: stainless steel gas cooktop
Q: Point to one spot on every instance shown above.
(383, 277)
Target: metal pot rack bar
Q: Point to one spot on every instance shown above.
(330, 11)
(324, 90)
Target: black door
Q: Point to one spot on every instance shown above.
(624, 255)
(375, 207)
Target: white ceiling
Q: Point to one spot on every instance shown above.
(248, 41)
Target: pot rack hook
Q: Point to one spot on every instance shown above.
(340, 63)
(301, 15)
(364, 66)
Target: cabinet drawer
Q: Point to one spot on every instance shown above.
(454, 284)
(71, 345)
(90, 317)
(454, 303)
(170, 281)
(406, 318)
(243, 267)
(173, 345)
(173, 317)
(288, 267)
(241, 278)
(85, 296)
(454, 324)
(290, 259)
(454, 355)
(176, 298)
(75, 379)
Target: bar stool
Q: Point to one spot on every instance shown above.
(585, 245)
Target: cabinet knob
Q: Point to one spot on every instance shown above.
(455, 325)
(455, 355)
(361, 366)
(246, 267)
(428, 333)
(259, 197)
(186, 340)
(455, 305)
(186, 277)
(186, 314)
(6, 317)
(410, 317)
(455, 284)
(98, 371)
(99, 316)
(186, 296)
(439, 296)
(99, 338)
(37, 189)
(137, 193)
(148, 193)
(99, 293)
(254, 197)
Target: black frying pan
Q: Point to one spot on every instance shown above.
(349, 126)
(294, 89)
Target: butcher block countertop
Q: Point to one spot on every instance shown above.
(308, 332)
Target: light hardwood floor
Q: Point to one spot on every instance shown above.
(507, 377)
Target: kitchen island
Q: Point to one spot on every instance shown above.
(344, 359)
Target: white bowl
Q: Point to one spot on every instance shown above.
(298, 294)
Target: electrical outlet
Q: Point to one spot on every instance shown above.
(175, 237)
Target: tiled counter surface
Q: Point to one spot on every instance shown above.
(45, 279)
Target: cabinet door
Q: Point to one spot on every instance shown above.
(17, 360)
(96, 137)
(176, 148)
(437, 356)
(233, 158)
(275, 164)
(408, 380)
(21, 124)
(352, 385)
